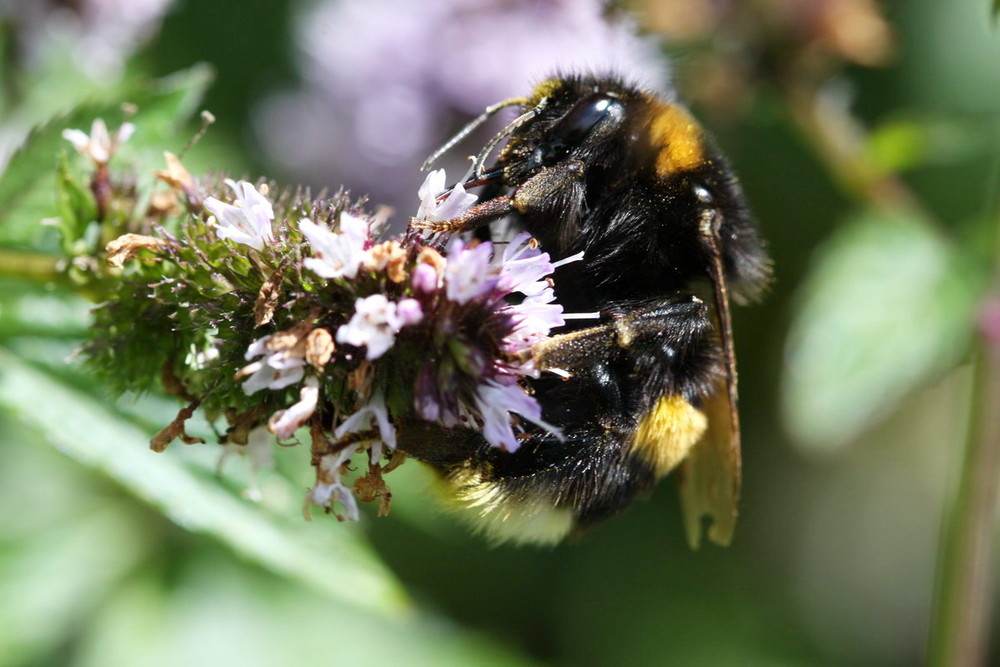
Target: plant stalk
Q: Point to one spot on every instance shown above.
(964, 593)
(27, 265)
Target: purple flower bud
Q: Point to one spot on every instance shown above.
(409, 311)
(425, 278)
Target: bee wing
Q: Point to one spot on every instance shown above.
(710, 475)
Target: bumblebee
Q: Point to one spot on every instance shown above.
(597, 165)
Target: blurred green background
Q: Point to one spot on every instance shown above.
(867, 137)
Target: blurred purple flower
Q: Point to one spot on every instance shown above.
(425, 278)
(386, 81)
(409, 312)
(99, 34)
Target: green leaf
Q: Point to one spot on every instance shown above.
(909, 141)
(889, 305)
(75, 206)
(164, 106)
(65, 549)
(30, 309)
(27, 187)
(218, 615)
(332, 559)
(897, 145)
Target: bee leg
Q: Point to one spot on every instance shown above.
(558, 188)
(625, 414)
(479, 215)
(661, 334)
(628, 415)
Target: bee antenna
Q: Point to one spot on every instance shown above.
(467, 130)
(480, 162)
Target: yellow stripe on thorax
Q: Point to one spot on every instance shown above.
(668, 432)
(679, 137)
(545, 89)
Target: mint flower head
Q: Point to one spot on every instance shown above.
(329, 334)
(279, 368)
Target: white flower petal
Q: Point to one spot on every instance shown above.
(124, 133)
(257, 348)
(432, 185)
(248, 221)
(284, 423)
(338, 253)
(373, 326)
(458, 202)
(78, 138)
(362, 420)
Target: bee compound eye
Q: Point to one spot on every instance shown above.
(577, 124)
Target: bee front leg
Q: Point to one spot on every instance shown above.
(478, 216)
(555, 189)
(558, 189)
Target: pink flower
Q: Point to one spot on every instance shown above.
(523, 267)
(409, 312)
(495, 402)
(534, 318)
(425, 278)
(468, 274)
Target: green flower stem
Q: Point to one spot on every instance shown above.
(964, 586)
(27, 265)
(838, 140)
(964, 593)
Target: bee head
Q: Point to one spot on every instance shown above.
(568, 118)
(653, 155)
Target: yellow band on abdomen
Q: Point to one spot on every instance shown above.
(668, 432)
